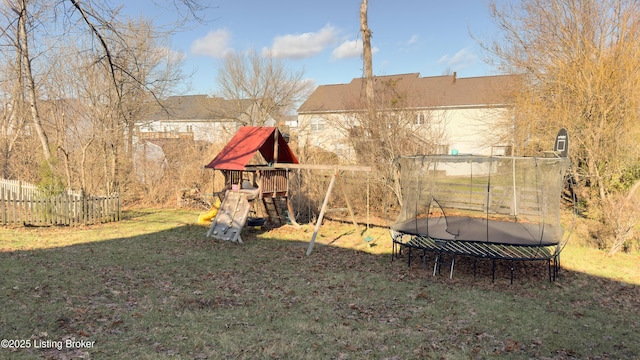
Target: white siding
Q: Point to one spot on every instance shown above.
(467, 130)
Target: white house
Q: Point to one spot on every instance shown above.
(195, 117)
(465, 111)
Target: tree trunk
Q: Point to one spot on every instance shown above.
(31, 86)
(67, 166)
(368, 59)
(83, 162)
(130, 130)
(113, 185)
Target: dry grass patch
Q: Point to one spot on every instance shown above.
(153, 287)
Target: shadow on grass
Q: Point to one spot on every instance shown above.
(177, 294)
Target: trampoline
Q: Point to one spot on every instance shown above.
(496, 207)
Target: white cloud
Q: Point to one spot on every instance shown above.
(300, 46)
(443, 59)
(462, 56)
(461, 59)
(171, 56)
(349, 49)
(412, 40)
(214, 44)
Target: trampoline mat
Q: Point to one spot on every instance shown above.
(462, 228)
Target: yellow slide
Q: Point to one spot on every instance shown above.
(206, 217)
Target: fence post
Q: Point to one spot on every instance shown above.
(68, 209)
(109, 209)
(2, 206)
(30, 213)
(16, 203)
(21, 205)
(91, 209)
(84, 208)
(72, 210)
(54, 209)
(39, 211)
(15, 197)
(63, 208)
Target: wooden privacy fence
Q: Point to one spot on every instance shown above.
(22, 203)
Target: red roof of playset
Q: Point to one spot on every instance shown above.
(246, 142)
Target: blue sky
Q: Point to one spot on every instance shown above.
(322, 38)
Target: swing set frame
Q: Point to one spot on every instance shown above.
(336, 177)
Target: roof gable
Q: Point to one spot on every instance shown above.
(244, 145)
(198, 107)
(418, 92)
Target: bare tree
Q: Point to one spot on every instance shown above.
(272, 89)
(92, 123)
(12, 120)
(401, 125)
(579, 62)
(367, 58)
(25, 72)
(390, 126)
(37, 70)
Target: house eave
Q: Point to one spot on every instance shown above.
(428, 108)
(190, 121)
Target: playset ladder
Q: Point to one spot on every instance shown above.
(231, 217)
(272, 211)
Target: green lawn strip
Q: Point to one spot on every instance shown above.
(134, 223)
(622, 266)
(164, 290)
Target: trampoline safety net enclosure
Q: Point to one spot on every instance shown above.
(488, 207)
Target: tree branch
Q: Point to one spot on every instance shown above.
(103, 43)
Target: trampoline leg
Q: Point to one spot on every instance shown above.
(475, 265)
(453, 260)
(511, 268)
(424, 258)
(393, 250)
(493, 270)
(436, 263)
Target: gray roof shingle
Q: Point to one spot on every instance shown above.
(198, 107)
(420, 92)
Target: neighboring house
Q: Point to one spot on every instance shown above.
(184, 121)
(289, 121)
(464, 112)
(195, 117)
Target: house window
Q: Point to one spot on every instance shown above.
(502, 150)
(420, 119)
(442, 149)
(317, 124)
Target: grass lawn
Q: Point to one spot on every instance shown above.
(153, 286)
